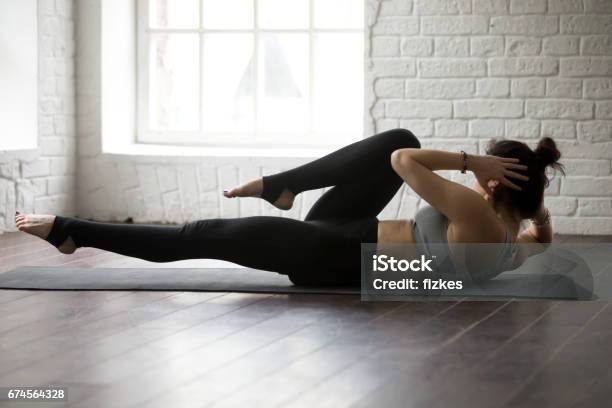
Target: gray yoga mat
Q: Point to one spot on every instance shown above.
(510, 285)
(171, 279)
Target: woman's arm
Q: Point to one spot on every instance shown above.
(434, 159)
(540, 230)
(458, 203)
(535, 238)
(484, 168)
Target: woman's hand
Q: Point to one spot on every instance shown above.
(500, 169)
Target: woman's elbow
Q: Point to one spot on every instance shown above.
(401, 159)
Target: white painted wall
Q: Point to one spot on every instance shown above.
(43, 179)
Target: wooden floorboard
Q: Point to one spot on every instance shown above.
(570, 372)
(160, 349)
(449, 364)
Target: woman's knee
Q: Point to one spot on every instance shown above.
(191, 229)
(403, 138)
(202, 229)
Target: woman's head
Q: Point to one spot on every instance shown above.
(529, 198)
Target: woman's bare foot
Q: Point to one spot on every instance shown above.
(40, 226)
(254, 188)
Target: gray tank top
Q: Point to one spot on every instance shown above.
(429, 231)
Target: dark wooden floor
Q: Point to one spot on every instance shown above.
(169, 349)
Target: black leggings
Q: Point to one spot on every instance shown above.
(324, 249)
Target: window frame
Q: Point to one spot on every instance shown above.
(254, 138)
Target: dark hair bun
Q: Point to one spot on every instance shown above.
(548, 153)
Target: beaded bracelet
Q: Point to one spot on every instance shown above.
(464, 158)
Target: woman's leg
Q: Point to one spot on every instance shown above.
(364, 198)
(351, 164)
(299, 249)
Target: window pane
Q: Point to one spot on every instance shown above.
(283, 13)
(338, 13)
(283, 83)
(338, 83)
(228, 82)
(174, 82)
(174, 13)
(218, 14)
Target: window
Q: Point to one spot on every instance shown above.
(18, 75)
(250, 72)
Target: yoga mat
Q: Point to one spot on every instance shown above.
(509, 285)
(170, 279)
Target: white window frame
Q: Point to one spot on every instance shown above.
(304, 139)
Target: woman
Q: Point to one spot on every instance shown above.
(324, 249)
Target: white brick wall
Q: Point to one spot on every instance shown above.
(43, 180)
(518, 69)
(456, 72)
